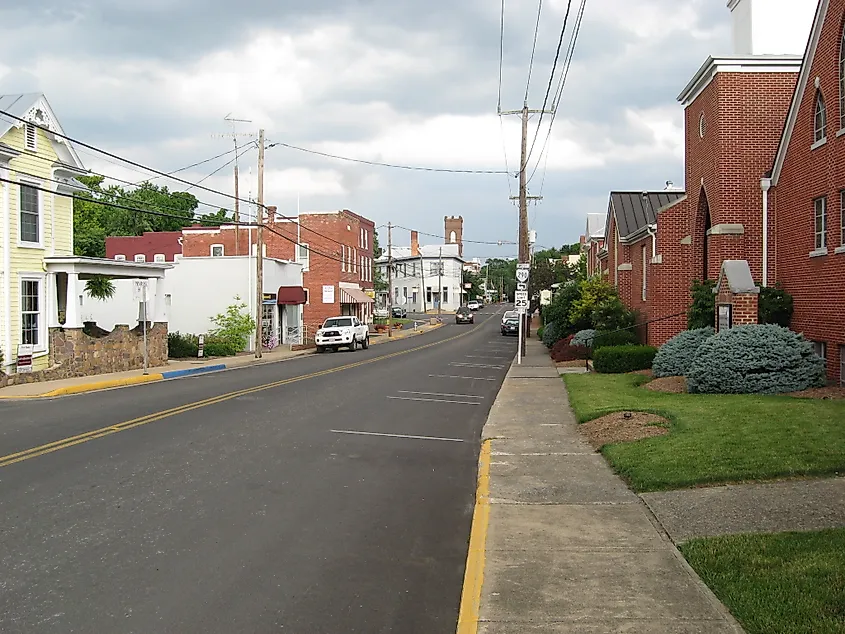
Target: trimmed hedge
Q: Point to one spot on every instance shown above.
(755, 359)
(622, 359)
(614, 338)
(222, 347)
(583, 338)
(675, 357)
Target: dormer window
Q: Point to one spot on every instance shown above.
(31, 135)
(820, 120)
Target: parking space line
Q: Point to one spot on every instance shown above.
(372, 433)
(438, 394)
(432, 400)
(452, 376)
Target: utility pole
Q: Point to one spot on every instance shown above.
(524, 256)
(440, 283)
(259, 256)
(389, 280)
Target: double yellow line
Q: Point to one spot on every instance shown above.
(41, 450)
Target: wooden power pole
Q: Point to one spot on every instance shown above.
(259, 251)
(524, 254)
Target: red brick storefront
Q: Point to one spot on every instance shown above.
(335, 248)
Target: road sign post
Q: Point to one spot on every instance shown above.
(141, 291)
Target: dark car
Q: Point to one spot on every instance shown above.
(464, 316)
(399, 312)
(510, 326)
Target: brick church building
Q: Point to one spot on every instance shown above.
(764, 179)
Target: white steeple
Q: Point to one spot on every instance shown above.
(771, 27)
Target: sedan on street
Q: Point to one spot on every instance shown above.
(510, 326)
(464, 316)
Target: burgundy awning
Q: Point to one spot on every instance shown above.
(291, 296)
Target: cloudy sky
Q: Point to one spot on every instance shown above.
(412, 83)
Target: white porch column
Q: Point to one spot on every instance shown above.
(159, 307)
(72, 302)
(52, 301)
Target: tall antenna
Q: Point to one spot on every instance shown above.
(235, 135)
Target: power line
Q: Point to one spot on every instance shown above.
(562, 82)
(177, 217)
(501, 56)
(423, 233)
(227, 164)
(119, 158)
(533, 49)
(198, 163)
(378, 164)
(551, 77)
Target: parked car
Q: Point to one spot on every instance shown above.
(464, 316)
(342, 332)
(510, 325)
(509, 314)
(400, 312)
(473, 304)
(380, 313)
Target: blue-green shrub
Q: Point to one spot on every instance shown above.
(756, 359)
(621, 359)
(552, 333)
(674, 357)
(583, 338)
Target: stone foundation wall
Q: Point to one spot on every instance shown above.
(74, 353)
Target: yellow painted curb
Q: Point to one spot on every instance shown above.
(103, 385)
(474, 575)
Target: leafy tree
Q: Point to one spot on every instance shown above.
(379, 283)
(502, 270)
(612, 314)
(702, 311)
(235, 325)
(594, 292)
(775, 306)
(476, 290)
(221, 217)
(93, 221)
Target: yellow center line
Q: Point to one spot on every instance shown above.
(41, 450)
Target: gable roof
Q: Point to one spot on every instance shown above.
(33, 106)
(633, 211)
(800, 88)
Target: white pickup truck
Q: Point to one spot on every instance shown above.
(342, 332)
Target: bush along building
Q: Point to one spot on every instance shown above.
(764, 172)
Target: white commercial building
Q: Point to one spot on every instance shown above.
(197, 289)
(420, 281)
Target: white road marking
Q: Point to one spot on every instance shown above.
(372, 433)
(438, 394)
(432, 400)
(451, 376)
(478, 365)
(483, 356)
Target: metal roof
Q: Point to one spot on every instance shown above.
(634, 210)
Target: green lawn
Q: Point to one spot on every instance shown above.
(715, 438)
(787, 583)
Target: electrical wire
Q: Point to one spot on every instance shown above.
(533, 49)
(423, 233)
(177, 217)
(227, 164)
(562, 82)
(203, 162)
(378, 164)
(501, 57)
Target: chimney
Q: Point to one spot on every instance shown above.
(271, 214)
(415, 243)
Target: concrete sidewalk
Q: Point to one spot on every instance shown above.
(174, 369)
(569, 548)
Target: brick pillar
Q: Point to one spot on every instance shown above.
(736, 296)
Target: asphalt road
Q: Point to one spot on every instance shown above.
(305, 496)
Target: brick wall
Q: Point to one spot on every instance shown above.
(668, 292)
(817, 284)
(744, 311)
